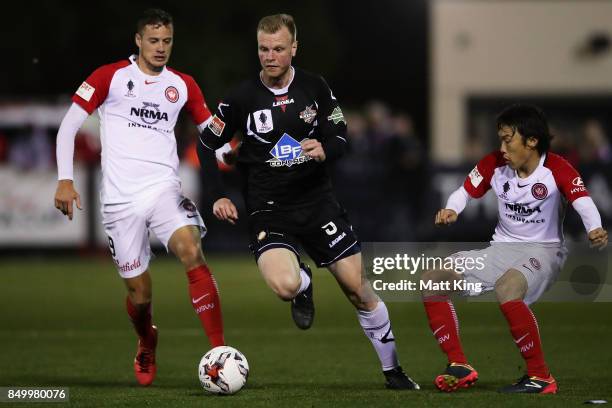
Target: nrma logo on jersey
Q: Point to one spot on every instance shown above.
(149, 113)
(287, 152)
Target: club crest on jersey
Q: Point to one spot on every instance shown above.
(149, 113)
(282, 101)
(336, 116)
(287, 152)
(216, 126)
(172, 94)
(308, 114)
(130, 89)
(539, 191)
(263, 121)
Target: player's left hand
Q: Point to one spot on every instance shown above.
(313, 148)
(598, 238)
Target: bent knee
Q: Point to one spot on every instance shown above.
(511, 286)
(190, 255)
(285, 289)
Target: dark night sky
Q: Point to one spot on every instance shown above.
(365, 50)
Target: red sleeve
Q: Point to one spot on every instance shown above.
(478, 182)
(93, 92)
(568, 180)
(196, 105)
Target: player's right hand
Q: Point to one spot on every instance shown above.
(598, 238)
(445, 216)
(225, 210)
(65, 194)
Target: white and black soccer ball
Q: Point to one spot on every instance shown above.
(223, 370)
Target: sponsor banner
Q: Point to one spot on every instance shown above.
(28, 216)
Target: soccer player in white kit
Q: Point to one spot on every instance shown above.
(533, 188)
(139, 100)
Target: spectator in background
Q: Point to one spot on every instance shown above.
(404, 176)
(596, 146)
(564, 144)
(3, 147)
(379, 121)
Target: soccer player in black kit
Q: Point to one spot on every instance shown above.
(292, 127)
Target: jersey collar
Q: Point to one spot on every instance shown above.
(280, 91)
(133, 59)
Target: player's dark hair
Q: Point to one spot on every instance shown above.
(273, 23)
(529, 121)
(153, 16)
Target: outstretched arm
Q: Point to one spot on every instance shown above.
(591, 219)
(454, 206)
(65, 193)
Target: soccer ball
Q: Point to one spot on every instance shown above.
(223, 370)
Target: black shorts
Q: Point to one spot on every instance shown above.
(323, 230)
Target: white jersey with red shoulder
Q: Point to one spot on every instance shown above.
(530, 209)
(138, 113)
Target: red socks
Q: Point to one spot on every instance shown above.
(445, 327)
(524, 329)
(141, 319)
(206, 303)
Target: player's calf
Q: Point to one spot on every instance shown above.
(302, 305)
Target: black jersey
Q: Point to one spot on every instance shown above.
(273, 122)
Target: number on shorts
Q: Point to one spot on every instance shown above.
(111, 246)
(330, 228)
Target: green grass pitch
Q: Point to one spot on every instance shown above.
(63, 323)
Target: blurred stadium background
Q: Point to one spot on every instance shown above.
(420, 83)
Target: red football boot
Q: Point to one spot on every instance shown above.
(456, 376)
(144, 363)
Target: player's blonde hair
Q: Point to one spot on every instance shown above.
(273, 23)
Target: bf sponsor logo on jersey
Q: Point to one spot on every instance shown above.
(263, 121)
(149, 113)
(287, 152)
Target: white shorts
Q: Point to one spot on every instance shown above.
(539, 264)
(128, 226)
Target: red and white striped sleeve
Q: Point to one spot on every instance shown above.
(572, 187)
(195, 105)
(568, 180)
(94, 90)
(478, 182)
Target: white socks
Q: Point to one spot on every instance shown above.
(377, 327)
(305, 281)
